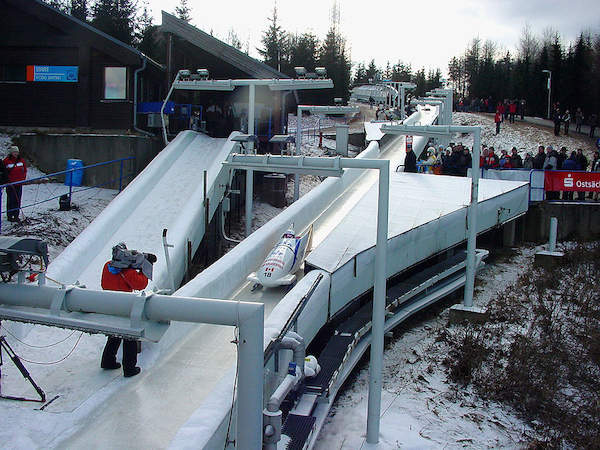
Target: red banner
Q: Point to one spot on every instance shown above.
(572, 181)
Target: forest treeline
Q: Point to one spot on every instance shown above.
(485, 71)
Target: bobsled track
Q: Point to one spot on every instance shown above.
(183, 397)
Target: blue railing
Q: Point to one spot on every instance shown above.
(71, 191)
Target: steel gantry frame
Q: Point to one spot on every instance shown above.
(400, 87)
(52, 305)
(447, 131)
(334, 167)
(274, 84)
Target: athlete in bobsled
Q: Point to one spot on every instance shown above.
(283, 261)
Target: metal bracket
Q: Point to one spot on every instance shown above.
(58, 302)
(136, 314)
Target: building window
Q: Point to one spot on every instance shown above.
(115, 83)
(13, 72)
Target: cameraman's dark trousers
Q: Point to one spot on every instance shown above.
(109, 355)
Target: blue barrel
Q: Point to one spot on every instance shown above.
(76, 177)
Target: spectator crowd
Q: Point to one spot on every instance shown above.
(456, 159)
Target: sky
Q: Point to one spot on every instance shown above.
(422, 33)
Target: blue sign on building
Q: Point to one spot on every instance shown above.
(57, 74)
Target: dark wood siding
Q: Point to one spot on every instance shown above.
(36, 103)
(109, 113)
(34, 34)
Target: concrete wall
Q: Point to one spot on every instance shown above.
(575, 221)
(50, 152)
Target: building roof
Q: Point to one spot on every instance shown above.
(217, 48)
(45, 12)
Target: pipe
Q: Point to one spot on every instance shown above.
(247, 316)
(166, 247)
(162, 109)
(135, 97)
(272, 413)
(553, 229)
(223, 234)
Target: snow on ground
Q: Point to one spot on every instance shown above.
(420, 408)
(40, 218)
(526, 137)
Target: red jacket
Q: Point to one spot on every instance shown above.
(512, 108)
(126, 280)
(16, 168)
(498, 117)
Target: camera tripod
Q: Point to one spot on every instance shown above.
(17, 362)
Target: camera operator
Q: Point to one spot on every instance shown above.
(128, 270)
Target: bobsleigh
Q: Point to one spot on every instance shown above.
(283, 261)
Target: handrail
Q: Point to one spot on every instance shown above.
(15, 183)
(67, 171)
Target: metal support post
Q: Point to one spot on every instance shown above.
(298, 151)
(250, 392)
(251, 108)
(402, 106)
(121, 176)
(249, 197)
(553, 230)
(472, 220)
(250, 173)
(378, 318)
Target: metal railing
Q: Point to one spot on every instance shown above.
(70, 178)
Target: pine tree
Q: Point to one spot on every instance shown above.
(184, 11)
(420, 80)
(373, 73)
(303, 50)
(116, 18)
(334, 58)
(360, 75)
(273, 42)
(145, 39)
(79, 9)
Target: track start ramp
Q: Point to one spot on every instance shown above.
(168, 193)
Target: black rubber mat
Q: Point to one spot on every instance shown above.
(329, 360)
(297, 428)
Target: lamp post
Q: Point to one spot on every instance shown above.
(549, 72)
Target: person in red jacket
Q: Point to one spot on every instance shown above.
(17, 171)
(512, 111)
(498, 120)
(125, 280)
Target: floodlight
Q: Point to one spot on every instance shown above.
(300, 71)
(338, 100)
(203, 73)
(184, 73)
(321, 72)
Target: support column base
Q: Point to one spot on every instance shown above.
(473, 314)
(548, 259)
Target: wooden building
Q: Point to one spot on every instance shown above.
(57, 71)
